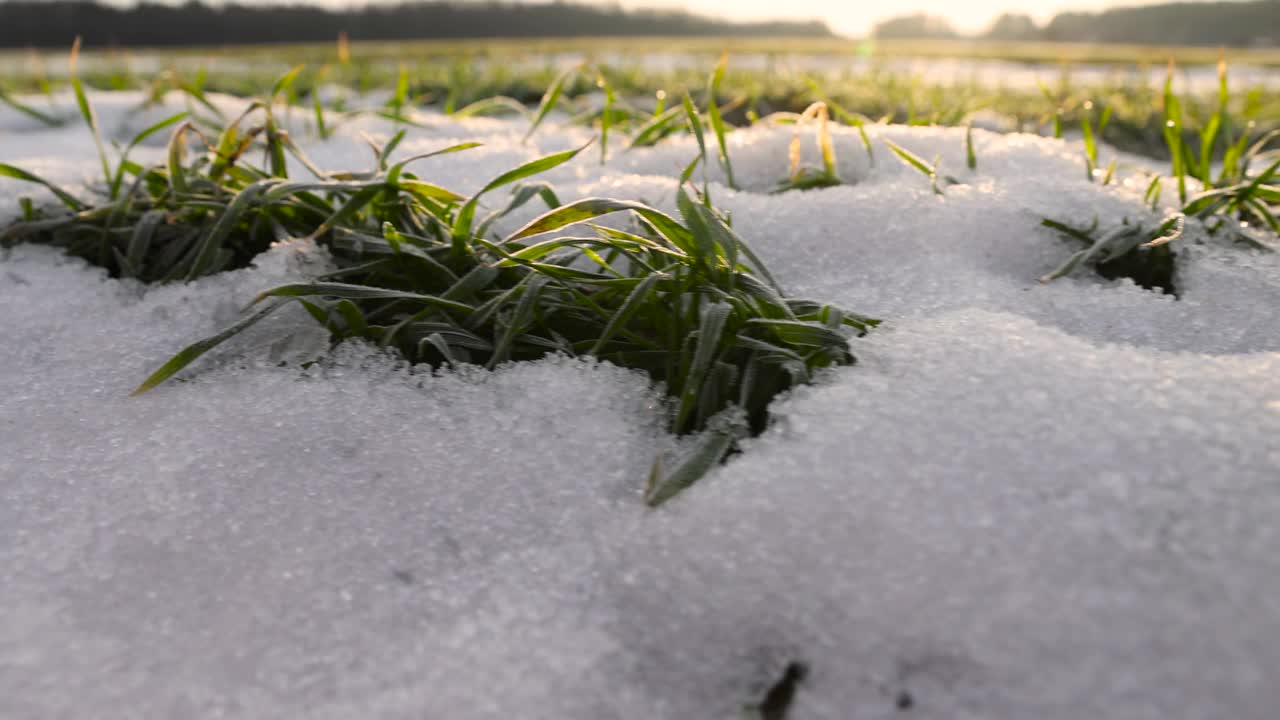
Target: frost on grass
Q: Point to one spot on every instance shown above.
(1050, 501)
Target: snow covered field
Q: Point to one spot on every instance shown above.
(1024, 501)
(944, 71)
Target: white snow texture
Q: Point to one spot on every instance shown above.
(1024, 501)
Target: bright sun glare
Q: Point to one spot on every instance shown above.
(857, 18)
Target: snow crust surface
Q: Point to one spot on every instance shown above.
(1025, 500)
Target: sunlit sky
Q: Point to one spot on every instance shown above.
(856, 18)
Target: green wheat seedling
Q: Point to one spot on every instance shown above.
(399, 100)
(551, 98)
(694, 122)
(1091, 141)
(497, 106)
(1055, 114)
(684, 299)
(664, 123)
(929, 170)
(200, 108)
(840, 114)
(800, 177)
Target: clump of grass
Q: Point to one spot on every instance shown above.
(1252, 199)
(1235, 196)
(685, 300)
(1235, 191)
(181, 221)
(120, 231)
(1132, 250)
(188, 219)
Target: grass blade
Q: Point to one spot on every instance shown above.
(466, 216)
(1090, 145)
(590, 208)
(19, 174)
(393, 174)
(717, 123)
(359, 292)
(658, 127)
(138, 140)
(29, 111)
(695, 125)
(710, 329)
(549, 99)
(915, 161)
(193, 351)
(606, 117)
(638, 296)
(212, 242)
(708, 454)
(86, 110)
(497, 105)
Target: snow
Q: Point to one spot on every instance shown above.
(1025, 500)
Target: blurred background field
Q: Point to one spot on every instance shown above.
(997, 86)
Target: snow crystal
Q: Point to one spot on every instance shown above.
(1025, 500)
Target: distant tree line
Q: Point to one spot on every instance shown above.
(34, 23)
(916, 25)
(1234, 24)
